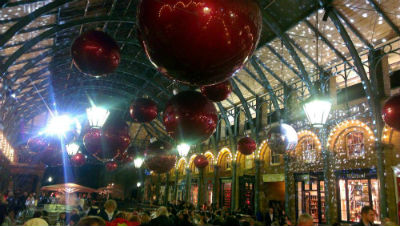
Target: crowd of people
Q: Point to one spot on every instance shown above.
(26, 209)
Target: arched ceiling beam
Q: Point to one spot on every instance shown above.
(246, 108)
(245, 86)
(271, 72)
(29, 44)
(384, 16)
(228, 125)
(273, 25)
(283, 60)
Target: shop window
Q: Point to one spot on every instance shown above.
(194, 191)
(248, 162)
(355, 144)
(209, 192)
(226, 194)
(308, 150)
(275, 158)
(228, 162)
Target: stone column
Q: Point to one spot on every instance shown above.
(257, 186)
(215, 185)
(175, 197)
(287, 195)
(201, 190)
(188, 185)
(234, 186)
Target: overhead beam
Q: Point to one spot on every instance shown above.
(384, 16)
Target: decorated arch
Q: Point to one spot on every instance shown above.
(181, 165)
(308, 148)
(224, 159)
(211, 161)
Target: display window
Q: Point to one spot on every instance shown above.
(351, 144)
(226, 192)
(357, 189)
(310, 196)
(308, 150)
(209, 192)
(194, 191)
(246, 190)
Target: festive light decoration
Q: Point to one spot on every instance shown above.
(202, 42)
(335, 132)
(97, 116)
(111, 166)
(217, 92)
(143, 110)
(317, 110)
(246, 146)
(72, 148)
(78, 159)
(183, 149)
(391, 112)
(190, 117)
(200, 161)
(95, 53)
(281, 137)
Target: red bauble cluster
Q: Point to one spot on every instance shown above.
(111, 166)
(190, 117)
(37, 144)
(78, 159)
(108, 142)
(95, 53)
(246, 146)
(391, 112)
(200, 161)
(143, 110)
(200, 42)
(160, 163)
(217, 92)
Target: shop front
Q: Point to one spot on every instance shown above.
(357, 188)
(310, 196)
(194, 191)
(209, 188)
(226, 192)
(246, 191)
(180, 193)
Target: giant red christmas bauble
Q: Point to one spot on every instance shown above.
(37, 144)
(143, 110)
(160, 163)
(391, 112)
(199, 42)
(217, 92)
(78, 159)
(111, 166)
(52, 155)
(200, 161)
(95, 53)
(190, 117)
(158, 147)
(246, 146)
(92, 141)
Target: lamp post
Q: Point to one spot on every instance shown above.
(317, 110)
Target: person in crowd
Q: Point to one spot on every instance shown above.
(45, 216)
(162, 218)
(110, 210)
(94, 210)
(91, 221)
(9, 220)
(367, 217)
(134, 220)
(3, 209)
(36, 220)
(305, 220)
(74, 219)
(270, 217)
(145, 219)
(62, 219)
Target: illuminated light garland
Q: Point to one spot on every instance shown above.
(7, 150)
(209, 154)
(304, 133)
(181, 161)
(222, 153)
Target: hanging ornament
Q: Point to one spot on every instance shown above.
(217, 92)
(95, 53)
(78, 159)
(246, 146)
(158, 147)
(111, 166)
(190, 117)
(160, 163)
(281, 137)
(200, 161)
(200, 42)
(92, 141)
(143, 110)
(37, 144)
(391, 112)
(52, 155)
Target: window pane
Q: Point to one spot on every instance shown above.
(355, 144)
(358, 197)
(343, 203)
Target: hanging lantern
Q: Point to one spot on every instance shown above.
(95, 53)
(111, 166)
(281, 137)
(391, 112)
(72, 148)
(317, 110)
(138, 162)
(183, 149)
(199, 43)
(200, 161)
(143, 110)
(37, 144)
(217, 92)
(160, 163)
(78, 159)
(97, 116)
(190, 117)
(246, 146)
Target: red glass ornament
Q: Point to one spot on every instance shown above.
(52, 155)
(391, 112)
(217, 92)
(92, 141)
(190, 117)
(200, 161)
(78, 159)
(143, 110)
(111, 166)
(37, 144)
(199, 42)
(158, 147)
(246, 146)
(95, 53)
(160, 163)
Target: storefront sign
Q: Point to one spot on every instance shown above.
(273, 177)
